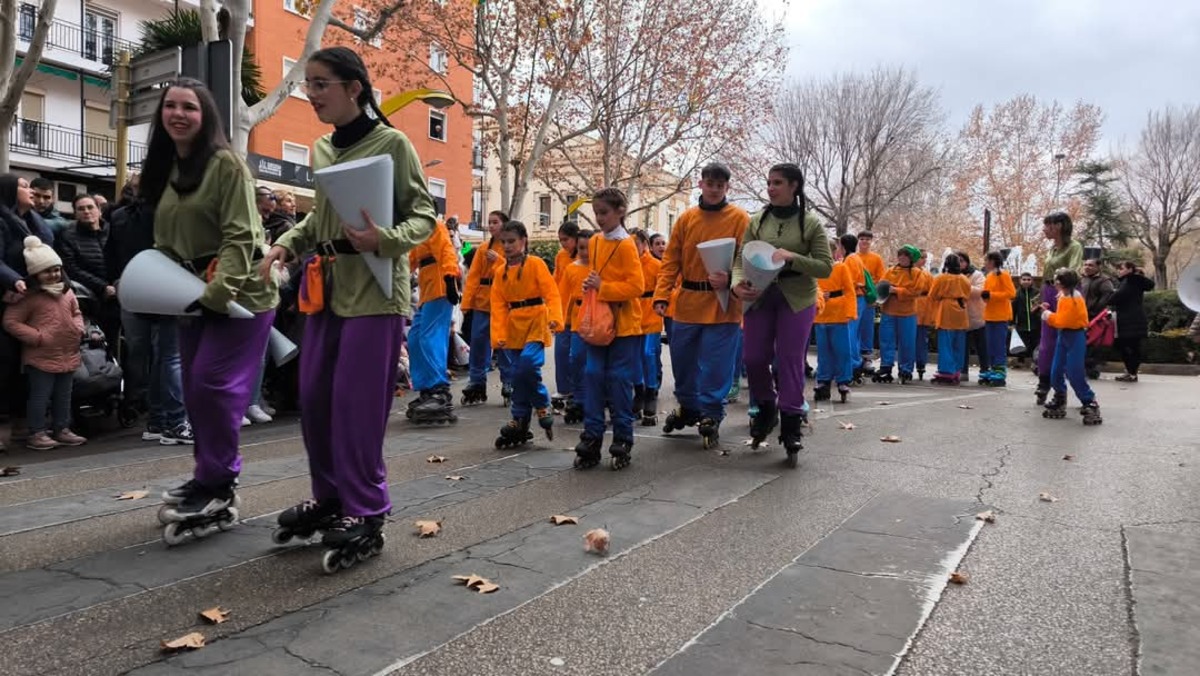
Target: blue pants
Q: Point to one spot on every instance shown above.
(1069, 353)
(667, 324)
(952, 344)
(45, 389)
(152, 367)
(852, 326)
(562, 359)
(528, 391)
(898, 331)
(997, 343)
(481, 348)
(922, 347)
(834, 361)
(866, 325)
(578, 362)
(429, 345)
(701, 359)
(609, 376)
(651, 361)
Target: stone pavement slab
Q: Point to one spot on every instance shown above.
(1164, 575)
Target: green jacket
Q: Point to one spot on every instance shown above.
(1070, 257)
(815, 261)
(219, 219)
(355, 292)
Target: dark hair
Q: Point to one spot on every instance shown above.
(348, 65)
(656, 236)
(41, 183)
(995, 258)
(793, 174)
(965, 257)
(1026, 274)
(866, 234)
(715, 171)
(1061, 219)
(1068, 278)
(612, 197)
(161, 153)
(952, 265)
(569, 228)
(81, 196)
(584, 234)
(8, 191)
(499, 214)
(517, 228)
(641, 236)
(849, 243)
(1132, 265)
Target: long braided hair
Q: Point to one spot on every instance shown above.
(349, 66)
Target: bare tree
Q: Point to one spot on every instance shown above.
(1162, 183)
(13, 86)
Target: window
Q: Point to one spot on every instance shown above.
(99, 140)
(301, 7)
(31, 115)
(437, 125)
(295, 153)
(544, 211)
(99, 34)
(297, 92)
(363, 22)
(438, 61)
(437, 190)
(27, 21)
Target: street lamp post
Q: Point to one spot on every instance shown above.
(434, 97)
(1058, 158)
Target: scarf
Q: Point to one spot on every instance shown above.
(349, 134)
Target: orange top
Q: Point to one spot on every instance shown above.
(694, 227)
(854, 264)
(477, 292)
(651, 322)
(434, 260)
(948, 298)
(842, 308)
(907, 286)
(872, 262)
(674, 301)
(998, 307)
(513, 328)
(621, 280)
(1071, 313)
(924, 312)
(562, 261)
(571, 290)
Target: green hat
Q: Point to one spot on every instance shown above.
(466, 249)
(914, 254)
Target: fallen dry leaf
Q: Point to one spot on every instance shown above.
(965, 407)
(596, 541)
(560, 519)
(470, 580)
(487, 587)
(891, 439)
(959, 578)
(986, 517)
(133, 495)
(846, 425)
(1046, 497)
(190, 641)
(883, 403)
(455, 477)
(436, 458)
(1068, 457)
(215, 615)
(10, 471)
(428, 529)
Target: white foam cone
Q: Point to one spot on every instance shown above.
(282, 348)
(358, 185)
(154, 284)
(757, 266)
(717, 255)
(1189, 287)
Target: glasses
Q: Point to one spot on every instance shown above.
(318, 86)
(266, 195)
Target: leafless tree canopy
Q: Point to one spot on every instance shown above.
(1162, 182)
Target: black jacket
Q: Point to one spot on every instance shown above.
(1096, 291)
(1127, 301)
(130, 233)
(276, 224)
(1024, 318)
(82, 251)
(13, 231)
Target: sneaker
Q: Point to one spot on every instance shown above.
(1127, 378)
(180, 434)
(257, 415)
(174, 496)
(66, 437)
(152, 433)
(41, 441)
(245, 421)
(270, 410)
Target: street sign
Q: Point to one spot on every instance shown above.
(152, 69)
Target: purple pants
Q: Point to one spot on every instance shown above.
(1049, 335)
(219, 361)
(347, 384)
(774, 335)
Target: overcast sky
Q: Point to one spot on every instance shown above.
(1127, 56)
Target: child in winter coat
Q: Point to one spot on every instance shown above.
(49, 325)
(1070, 318)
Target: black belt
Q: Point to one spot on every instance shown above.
(789, 273)
(697, 286)
(485, 282)
(200, 265)
(836, 294)
(330, 247)
(647, 294)
(428, 260)
(579, 301)
(528, 302)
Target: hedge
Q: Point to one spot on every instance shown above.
(1165, 312)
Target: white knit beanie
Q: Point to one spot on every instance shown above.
(38, 256)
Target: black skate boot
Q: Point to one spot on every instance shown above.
(1042, 390)
(1057, 406)
(587, 453)
(905, 377)
(844, 391)
(791, 431)
(573, 413)
(650, 408)
(515, 433)
(883, 375)
(639, 397)
(545, 418)
(559, 402)
(920, 372)
(506, 391)
(421, 398)
(351, 539)
(306, 519)
(858, 379)
(437, 408)
(764, 422)
(710, 430)
(203, 511)
(821, 392)
(1091, 413)
(475, 393)
(679, 419)
(620, 454)
(174, 496)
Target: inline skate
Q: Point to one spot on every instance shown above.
(1056, 408)
(305, 520)
(791, 431)
(437, 408)
(941, 378)
(821, 391)
(679, 419)
(506, 391)
(650, 408)
(710, 430)
(545, 418)
(351, 539)
(573, 413)
(516, 433)
(920, 372)
(1042, 390)
(763, 423)
(421, 398)
(620, 454)
(883, 375)
(997, 376)
(905, 377)
(587, 453)
(844, 391)
(200, 512)
(1091, 413)
(639, 398)
(558, 402)
(475, 393)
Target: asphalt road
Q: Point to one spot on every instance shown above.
(720, 562)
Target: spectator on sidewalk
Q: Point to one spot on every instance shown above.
(1097, 288)
(1027, 317)
(43, 204)
(1128, 302)
(81, 246)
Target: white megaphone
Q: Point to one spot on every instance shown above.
(1189, 287)
(282, 348)
(717, 255)
(154, 284)
(758, 266)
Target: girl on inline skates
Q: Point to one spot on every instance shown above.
(645, 398)
(835, 363)
(477, 297)
(568, 235)
(570, 288)
(1064, 253)
(998, 293)
(948, 302)
(1070, 319)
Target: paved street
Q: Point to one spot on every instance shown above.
(718, 564)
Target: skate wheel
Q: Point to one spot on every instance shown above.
(582, 462)
(205, 530)
(792, 460)
(331, 561)
(618, 462)
(282, 536)
(162, 514)
(230, 519)
(377, 546)
(174, 535)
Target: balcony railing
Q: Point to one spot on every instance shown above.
(96, 43)
(84, 148)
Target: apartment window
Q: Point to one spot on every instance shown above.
(295, 153)
(362, 22)
(31, 114)
(437, 125)
(438, 60)
(544, 211)
(297, 92)
(99, 35)
(301, 7)
(99, 140)
(27, 21)
(437, 190)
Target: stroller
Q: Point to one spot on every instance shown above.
(98, 383)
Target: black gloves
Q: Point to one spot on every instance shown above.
(985, 295)
(452, 293)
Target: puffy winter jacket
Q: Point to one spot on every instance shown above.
(13, 231)
(82, 251)
(50, 328)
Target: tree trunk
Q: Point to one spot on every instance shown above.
(1160, 269)
(12, 89)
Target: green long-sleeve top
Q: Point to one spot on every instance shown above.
(1070, 257)
(814, 260)
(355, 292)
(219, 219)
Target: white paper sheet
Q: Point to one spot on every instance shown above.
(366, 184)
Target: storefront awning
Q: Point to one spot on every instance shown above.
(64, 73)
